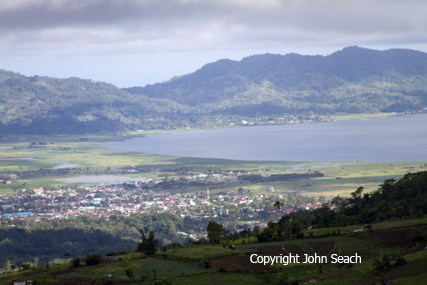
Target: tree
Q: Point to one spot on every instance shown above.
(215, 231)
(145, 275)
(256, 230)
(236, 236)
(92, 259)
(8, 265)
(295, 226)
(36, 262)
(277, 205)
(397, 212)
(76, 262)
(148, 245)
(130, 273)
(357, 193)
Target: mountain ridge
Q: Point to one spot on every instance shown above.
(352, 80)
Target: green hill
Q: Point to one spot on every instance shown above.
(44, 105)
(353, 80)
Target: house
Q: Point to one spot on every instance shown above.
(19, 282)
(38, 190)
(367, 228)
(109, 258)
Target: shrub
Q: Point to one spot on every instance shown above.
(207, 263)
(76, 262)
(163, 281)
(145, 275)
(93, 259)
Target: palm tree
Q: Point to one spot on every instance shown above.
(277, 205)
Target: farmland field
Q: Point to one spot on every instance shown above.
(201, 253)
(84, 155)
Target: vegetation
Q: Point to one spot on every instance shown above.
(353, 80)
(148, 245)
(201, 253)
(81, 235)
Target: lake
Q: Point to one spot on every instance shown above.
(390, 139)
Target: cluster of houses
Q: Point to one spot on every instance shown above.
(115, 200)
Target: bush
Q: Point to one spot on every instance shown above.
(76, 262)
(207, 263)
(145, 275)
(418, 236)
(163, 281)
(93, 259)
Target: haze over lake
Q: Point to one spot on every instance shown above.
(391, 139)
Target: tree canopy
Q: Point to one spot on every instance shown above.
(148, 244)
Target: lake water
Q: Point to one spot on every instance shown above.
(391, 139)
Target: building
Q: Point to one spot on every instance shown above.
(38, 190)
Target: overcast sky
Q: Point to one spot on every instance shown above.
(134, 43)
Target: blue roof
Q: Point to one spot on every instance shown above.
(18, 214)
(23, 214)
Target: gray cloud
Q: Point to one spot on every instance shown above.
(130, 26)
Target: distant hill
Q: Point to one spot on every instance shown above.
(351, 80)
(44, 105)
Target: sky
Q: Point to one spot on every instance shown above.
(138, 42)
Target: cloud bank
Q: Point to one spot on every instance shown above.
(62, 27)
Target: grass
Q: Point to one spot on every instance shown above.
(240, 241)
(201, 253)
(359, 116)
(185, 269)
(218, 278)
(163, 268)
(70, 150)
(375, 226)
(414, 280)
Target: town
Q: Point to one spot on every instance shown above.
(236, 210)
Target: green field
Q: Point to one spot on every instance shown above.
(183, 266)
(18, 154)
(201, 253)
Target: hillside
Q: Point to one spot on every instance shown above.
(44, 105)
(353, 80)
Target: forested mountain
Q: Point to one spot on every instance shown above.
(351, 80)
(44, 105)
